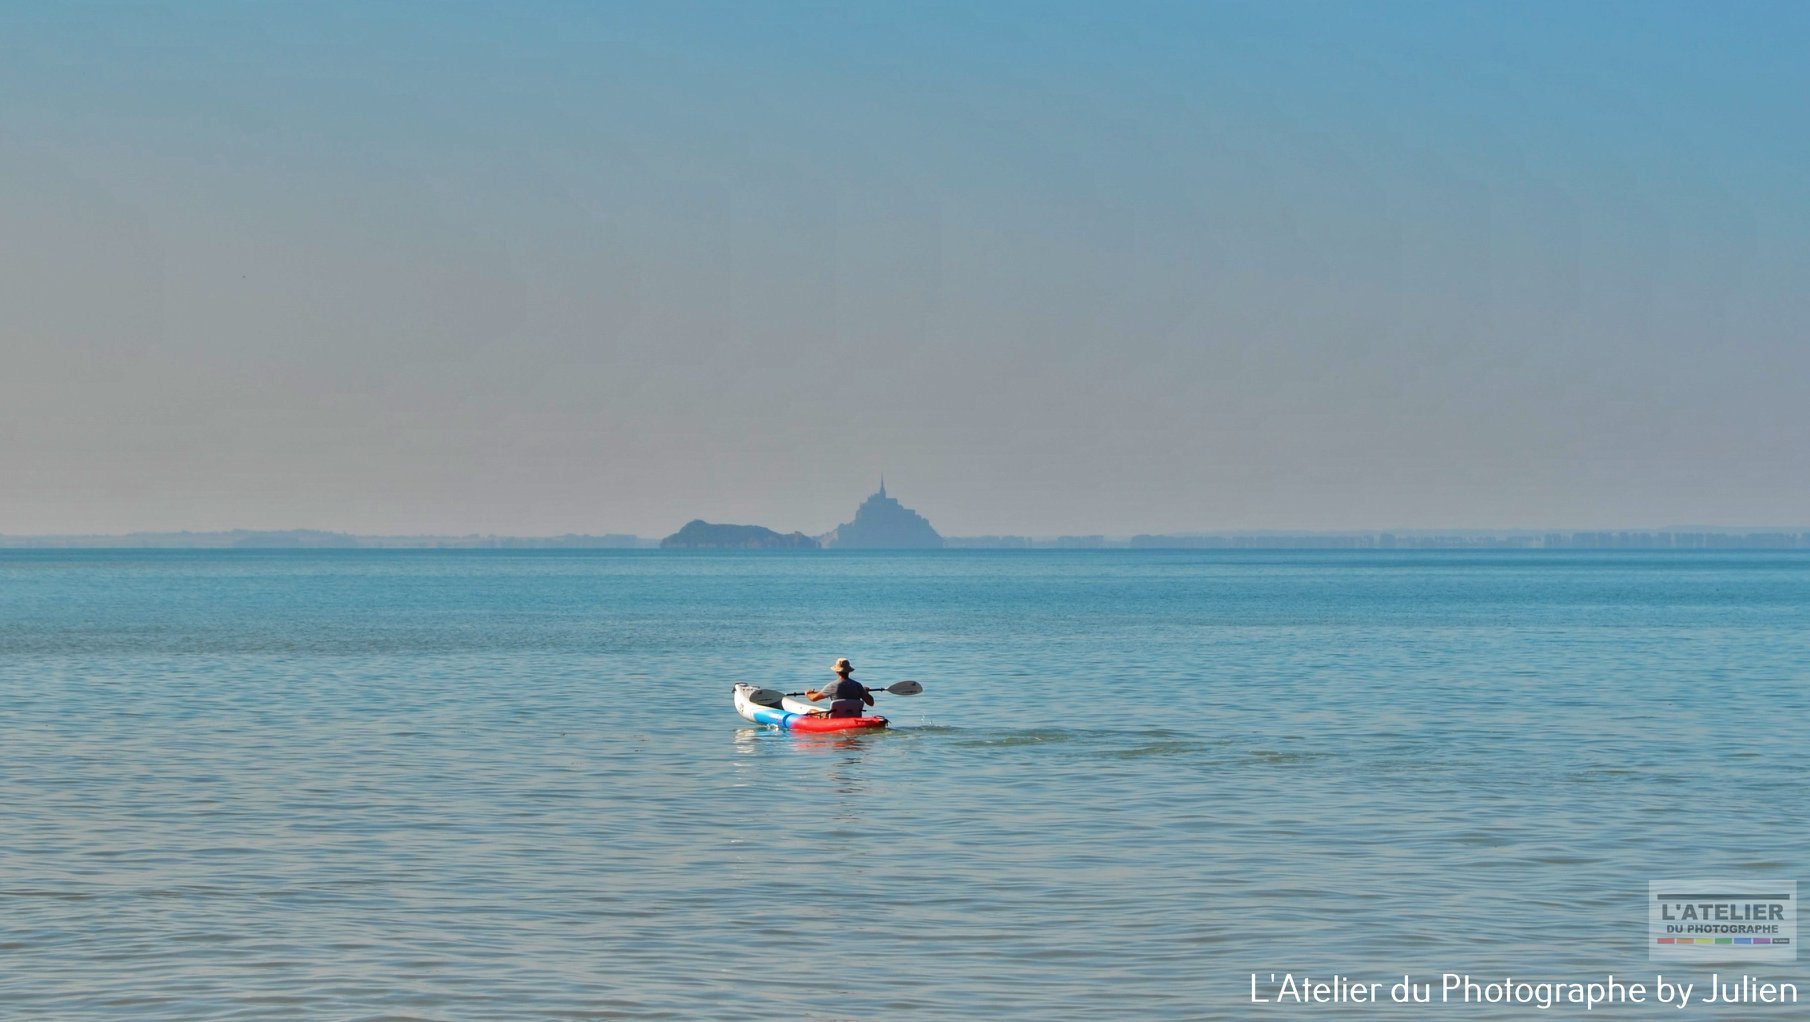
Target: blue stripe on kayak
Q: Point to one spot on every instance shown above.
(776, 718)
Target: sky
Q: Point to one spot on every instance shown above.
(537, 268)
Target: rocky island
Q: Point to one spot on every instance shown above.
(882, 523)
(702, 535)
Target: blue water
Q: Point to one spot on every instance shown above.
(477, 785)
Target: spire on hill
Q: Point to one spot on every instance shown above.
(882, 523)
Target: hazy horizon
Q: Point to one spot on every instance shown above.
(1053, 269)
(1433, 531)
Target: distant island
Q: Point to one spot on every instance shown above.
(882, 523)
(702, 535)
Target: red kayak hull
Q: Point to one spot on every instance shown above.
(813, 724)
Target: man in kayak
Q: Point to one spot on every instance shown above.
(846, 695)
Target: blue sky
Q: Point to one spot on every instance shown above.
(541, 268)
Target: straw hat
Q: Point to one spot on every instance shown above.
(843, 666)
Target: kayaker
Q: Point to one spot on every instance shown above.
(846, 695)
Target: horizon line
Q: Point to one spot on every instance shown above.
(1799, 534)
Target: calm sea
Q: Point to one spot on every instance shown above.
(480, 785)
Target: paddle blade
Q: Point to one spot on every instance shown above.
(765, 697)
(904, 688)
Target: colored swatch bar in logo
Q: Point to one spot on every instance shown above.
(1713, 940)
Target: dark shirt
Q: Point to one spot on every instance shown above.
(845, 696)
(843, 688)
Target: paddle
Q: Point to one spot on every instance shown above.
(897, 688)
(768, 697)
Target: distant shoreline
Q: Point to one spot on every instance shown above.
(1686, 538)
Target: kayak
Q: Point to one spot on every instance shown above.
(795, 714)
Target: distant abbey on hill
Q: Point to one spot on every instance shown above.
(882, 523)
